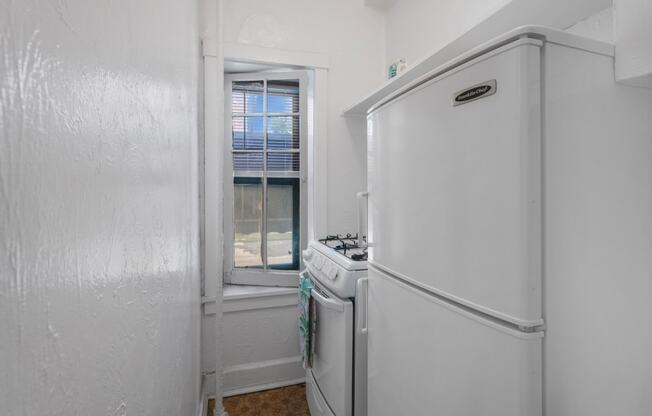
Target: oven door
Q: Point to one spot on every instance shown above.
(332, 363)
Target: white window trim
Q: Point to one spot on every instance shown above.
(233, 275)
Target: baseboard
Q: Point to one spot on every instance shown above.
(261, 387)
(263, 375)
(202, 406)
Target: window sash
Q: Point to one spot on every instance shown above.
(274, 275)
(296, 215)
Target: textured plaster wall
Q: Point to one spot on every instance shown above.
(99, 269)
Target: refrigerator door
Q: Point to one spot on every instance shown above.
(427, 358)
(454, 189)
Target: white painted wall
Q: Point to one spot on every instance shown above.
(99, 267)
(626, 24)
(417, 29)
(353, 37)
(599, 26)
(633, 34)
(258, 343)
(262, 348)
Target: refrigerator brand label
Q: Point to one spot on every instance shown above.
(475, 92)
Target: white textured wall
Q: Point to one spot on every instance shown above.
(417, 29)
(262, 347)
(99, 276)
(633, 34)
(598, 27)
(353, 37)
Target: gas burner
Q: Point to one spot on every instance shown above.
(346, 244)
(360, 256)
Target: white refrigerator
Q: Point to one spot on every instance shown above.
(487, 286)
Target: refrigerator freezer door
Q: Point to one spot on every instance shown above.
(427, 358)
(454, 190)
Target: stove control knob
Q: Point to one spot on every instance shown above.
(307, 254)
(333, 272)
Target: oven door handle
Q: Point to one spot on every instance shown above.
(326, 302)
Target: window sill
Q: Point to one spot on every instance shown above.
(273, 279)
(234, 292)
(243, 298)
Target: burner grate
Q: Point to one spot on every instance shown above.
(346, 244)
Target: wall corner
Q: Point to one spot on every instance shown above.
(633, 38)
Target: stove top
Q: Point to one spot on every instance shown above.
(347, 245)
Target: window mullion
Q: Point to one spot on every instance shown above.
(263, 249)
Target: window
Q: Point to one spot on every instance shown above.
(265, 222)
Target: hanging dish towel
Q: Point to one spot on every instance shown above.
(305, 321)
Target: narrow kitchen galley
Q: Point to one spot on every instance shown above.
(325, 208)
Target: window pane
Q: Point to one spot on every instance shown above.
(248, 133)
(247, 213)
(266, 135)
(247, 96)
(283, 96)
(287, 162)
(247, 162)
(283, 223)
(283, 132)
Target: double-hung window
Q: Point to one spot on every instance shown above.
(265, 215)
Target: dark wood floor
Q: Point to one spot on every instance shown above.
(284, 401)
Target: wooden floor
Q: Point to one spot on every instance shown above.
(285, 401)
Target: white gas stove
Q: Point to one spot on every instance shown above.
(337, 262)
(336, 382)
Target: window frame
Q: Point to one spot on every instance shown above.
(252, 276)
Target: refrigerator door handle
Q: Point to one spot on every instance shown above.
(361, 298)
(362, 210)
